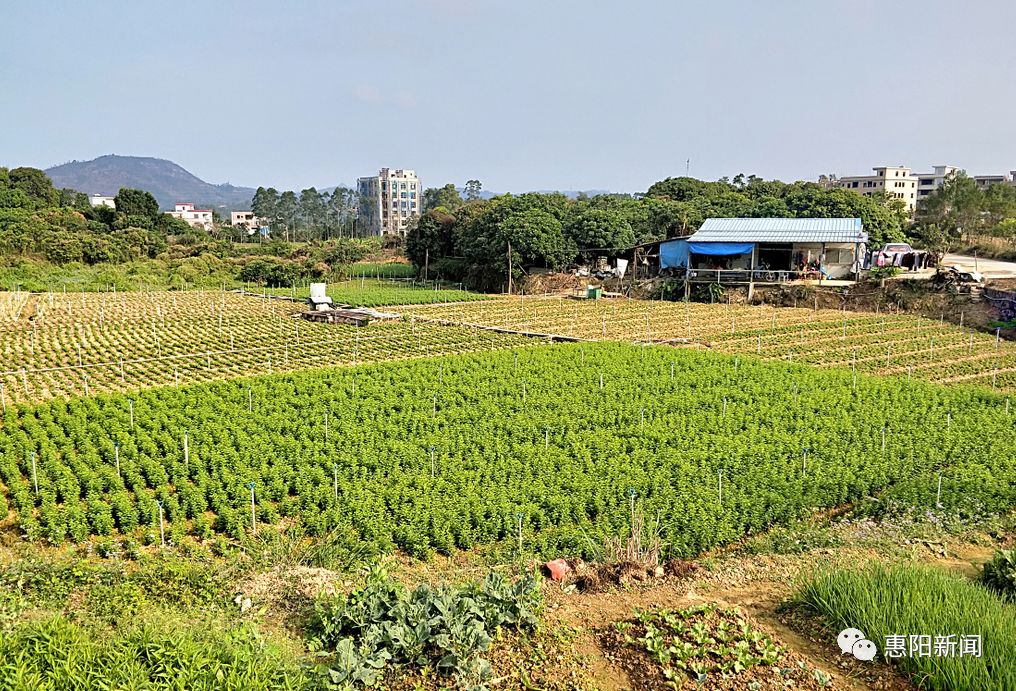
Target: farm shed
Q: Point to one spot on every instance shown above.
(775, 250)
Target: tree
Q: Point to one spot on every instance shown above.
(473, 188)
(288, 210)
(341, 210)
(600, 229)
(265, 205)
(133, 202)
(431, 237)
(312, 212)
(446, 198)
(35, 184)
(955, 206)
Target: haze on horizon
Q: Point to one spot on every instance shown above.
(520, 94)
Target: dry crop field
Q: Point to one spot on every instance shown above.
(83, 343)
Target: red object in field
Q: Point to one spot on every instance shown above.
(558, 568)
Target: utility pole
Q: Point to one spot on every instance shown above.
(509, 267)
(426, 263)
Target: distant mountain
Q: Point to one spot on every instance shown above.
(168, 182)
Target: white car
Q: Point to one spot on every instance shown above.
(896, 248)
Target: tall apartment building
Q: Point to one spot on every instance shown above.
(388, 200)
(896, 181)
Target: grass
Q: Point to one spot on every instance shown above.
(906, 599)
(371, 292)
(56, 653)
(382, 270)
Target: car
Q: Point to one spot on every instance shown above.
(896, 248)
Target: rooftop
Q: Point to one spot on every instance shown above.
(844, 230)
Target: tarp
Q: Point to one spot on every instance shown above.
(674, 254)
(718, 249)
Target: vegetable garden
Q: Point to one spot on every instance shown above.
(543, 449)
(893, 344)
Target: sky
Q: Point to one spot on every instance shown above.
(520, 94)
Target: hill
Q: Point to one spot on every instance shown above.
(167, 181)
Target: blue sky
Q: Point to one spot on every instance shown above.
(520, 94)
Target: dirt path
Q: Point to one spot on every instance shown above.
(758, 585)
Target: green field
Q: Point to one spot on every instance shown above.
(449, 453)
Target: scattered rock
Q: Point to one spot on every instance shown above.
(558, 569)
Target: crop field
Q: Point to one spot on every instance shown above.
(382, 270)
(891, 344)
(561, 442)
(85, 343)
(366, 292)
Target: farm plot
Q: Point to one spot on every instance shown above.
(893, 344)
(94, 342)
(363, 292)
(561, 443)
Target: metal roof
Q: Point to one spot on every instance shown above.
(843, 230)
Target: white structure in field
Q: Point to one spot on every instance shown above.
(388, 200)
(102, 200)
(196, 218)
(246, 219)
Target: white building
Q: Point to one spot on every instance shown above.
(895, 181)
(246, 219)
(102, 200)
(389, 200)
(929, 182)
(196, 218)
(986, 181)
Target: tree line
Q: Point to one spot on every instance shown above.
(311, 215)
(38, 220)
(469, 239)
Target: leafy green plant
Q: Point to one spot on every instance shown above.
(1000, 573)
(698, 643)
(383, 623)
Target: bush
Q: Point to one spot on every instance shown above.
(999, 574)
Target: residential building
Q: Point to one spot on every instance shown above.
(746, 251)
(196, 218)
(986, 181)
(895, 181)
(246, 219)
(102, 200)
(389, 200)
(929, 182)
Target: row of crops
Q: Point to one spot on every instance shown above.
(364, 292)
(90, 343)
(891, 344)
(458, 451)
